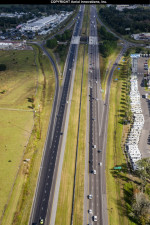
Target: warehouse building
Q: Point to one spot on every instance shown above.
(39, 24)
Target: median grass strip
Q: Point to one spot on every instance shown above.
(85, 26)
(79, 186)
(19, 205)
(105, 66)
(116, 180)
(63, 215)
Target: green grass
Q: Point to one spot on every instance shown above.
(63, 215)
(14, 132)
(59, 56)
(19, 79)
(19, 205)
(105, 66)
(117, 132)
(15, 126)
(79, 186)
(85, 26)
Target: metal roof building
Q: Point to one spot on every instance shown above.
(39, 24)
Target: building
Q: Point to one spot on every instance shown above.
(46, 22)
(141, 36)
(122, 7)
(39, 24)
(11, 15)
(7, 45)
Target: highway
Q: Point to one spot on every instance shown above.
(98, 111)
(41, 209)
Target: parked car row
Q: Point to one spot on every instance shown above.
(135, 132)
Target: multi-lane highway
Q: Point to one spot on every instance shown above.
(42, 206)
(96, 112)
(97, 204)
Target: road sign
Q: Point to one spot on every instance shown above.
(117, 168)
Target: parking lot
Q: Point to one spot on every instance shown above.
(138, 141)
(144, 142)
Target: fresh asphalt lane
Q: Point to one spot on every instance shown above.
(39, 210)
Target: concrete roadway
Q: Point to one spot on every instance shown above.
(46, 182)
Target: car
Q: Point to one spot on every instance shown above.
(99, 150)
(94, 172)
(94, 218)
(90, 196)
(90, 211)
(41, 221)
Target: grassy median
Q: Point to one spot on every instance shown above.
(64, 208)
(37, 70)
(79, 186)
(105, 66)
(117, 133)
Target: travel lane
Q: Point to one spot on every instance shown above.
(46, 178)
(99, 202)
(96, 106)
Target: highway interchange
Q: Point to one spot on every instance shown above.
(96, 208)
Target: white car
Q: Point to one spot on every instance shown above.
(94, 171)
(94, 218)
(90, 211)
(90, 196)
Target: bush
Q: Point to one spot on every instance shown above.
(2, 67)
(51, 43)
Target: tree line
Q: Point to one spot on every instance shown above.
(66, 36)
(109, 42)
(138, 19)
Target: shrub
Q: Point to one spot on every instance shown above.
(2, 67)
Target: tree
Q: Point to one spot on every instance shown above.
(51, 43)
(144, 168)
(141, 208)
(2, 67)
